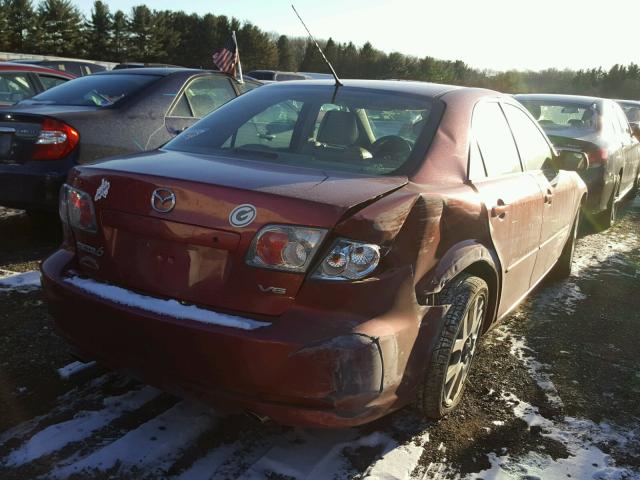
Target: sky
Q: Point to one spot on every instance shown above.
(491, 34)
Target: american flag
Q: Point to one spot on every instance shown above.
(227, 57)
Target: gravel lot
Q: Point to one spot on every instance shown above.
(553, 394)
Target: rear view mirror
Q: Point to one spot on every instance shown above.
(635, 129)
(572, 160)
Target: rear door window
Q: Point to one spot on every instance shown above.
(206, 94)
(49, 81)
(535, 152)
(495, 140)
(15, 87)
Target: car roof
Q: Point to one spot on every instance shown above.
(157, 71)
(400, 86)
(629, 102)
(556, 97)
(23, 67)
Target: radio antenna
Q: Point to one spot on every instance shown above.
(333, 72)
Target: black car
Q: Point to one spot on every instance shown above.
(276, 76)
(125, 65)
(89, 118)
(75, 67)
(598, 128)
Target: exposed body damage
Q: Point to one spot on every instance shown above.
(331, 353)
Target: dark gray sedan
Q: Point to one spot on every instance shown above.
(97, 116)
(598, 128)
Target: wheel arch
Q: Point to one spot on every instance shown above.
(470, 257)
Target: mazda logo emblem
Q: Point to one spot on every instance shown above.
(163, 200)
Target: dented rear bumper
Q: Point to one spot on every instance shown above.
(311, 367)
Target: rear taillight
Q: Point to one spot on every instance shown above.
(598, 156)
(56, 140)
(76, 209)
(282, 247)
(348, 260)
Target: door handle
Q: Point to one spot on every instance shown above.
(548, 196)
(499, 210)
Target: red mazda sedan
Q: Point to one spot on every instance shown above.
(317, 255)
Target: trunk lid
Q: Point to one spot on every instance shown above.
(193, 253)
(21, 124)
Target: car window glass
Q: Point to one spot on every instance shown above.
(14, 87)
(632, 112)
(181, 108)
(406, 124)
(476, 166)
(495, 141)
(535, 152)
(206, 94)
(624, 124)
(272, 127)
(282, 124)
(95, 90)
(49, 82)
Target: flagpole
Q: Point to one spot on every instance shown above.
(233, 34)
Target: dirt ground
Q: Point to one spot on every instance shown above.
(553, 394)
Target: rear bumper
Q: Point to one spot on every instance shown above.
(27, 187)
(305, 368)
(594, 178)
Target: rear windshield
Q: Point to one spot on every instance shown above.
(94, 91)
(555, 116)
(354, 129)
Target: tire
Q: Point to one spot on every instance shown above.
(608, 218)
(43, 222)
(562, 268)
(454, 352)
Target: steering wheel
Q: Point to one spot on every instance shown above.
(391, 146)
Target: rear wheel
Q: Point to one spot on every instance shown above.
(42, 221)
(442, 388)
(608, 217)
(562, 268)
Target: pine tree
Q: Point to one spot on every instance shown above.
(59, 28)
(20, 26)
(256, 49)
(120, 38)
(4, 27)
(166, 38)
(99, 32)
(141, 44)
(312, 61)
(285, 59)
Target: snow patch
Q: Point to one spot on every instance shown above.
(80, 427)
(153, 446)
(19, 281)
(169, 308)
(581, 438)
(74, 368)
(536, 369)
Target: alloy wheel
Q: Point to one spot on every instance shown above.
(463, 350)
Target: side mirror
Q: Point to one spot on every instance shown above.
(572, 160)
(635, 129)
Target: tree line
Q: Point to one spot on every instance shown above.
(57, 27)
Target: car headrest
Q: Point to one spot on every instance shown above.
(338, 128)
